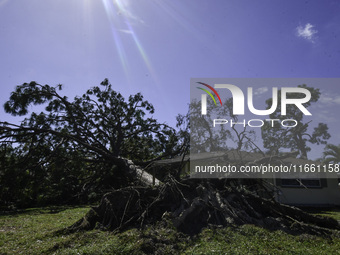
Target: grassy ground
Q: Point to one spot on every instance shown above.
(33, 231)
(334, 213)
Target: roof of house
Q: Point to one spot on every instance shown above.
(234, 156)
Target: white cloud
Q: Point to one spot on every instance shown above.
(325, 116)
(329, 99)
(261, 90)
(307, 32)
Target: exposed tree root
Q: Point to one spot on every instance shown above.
(194, 204)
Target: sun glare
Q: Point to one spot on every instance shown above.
(3, 2)
(122, 20)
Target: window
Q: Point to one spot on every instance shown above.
(301, 183)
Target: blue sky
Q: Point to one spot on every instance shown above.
(156, 46)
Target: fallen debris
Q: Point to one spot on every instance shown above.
(193, 204)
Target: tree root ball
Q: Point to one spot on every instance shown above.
(194, 204)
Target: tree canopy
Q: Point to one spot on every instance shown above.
(82, 141)
(332, 154)
(294, 138)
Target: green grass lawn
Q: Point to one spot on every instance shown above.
(33, 231)
(334, 213)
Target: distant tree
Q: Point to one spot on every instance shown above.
(205, 137)
(331, 154)
(294, 138)
(244, 138)
(40, 173)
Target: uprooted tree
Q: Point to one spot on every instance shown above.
(86, 143)
(113, 139)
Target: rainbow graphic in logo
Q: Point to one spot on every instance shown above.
(209, 93)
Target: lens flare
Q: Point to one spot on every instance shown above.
(111, 11)
(122, 20)
(142, 52)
